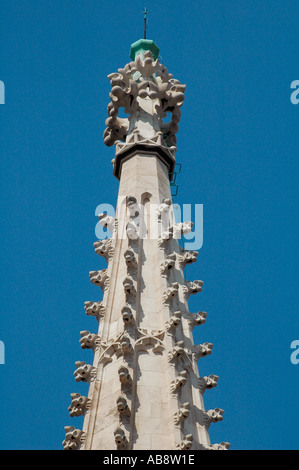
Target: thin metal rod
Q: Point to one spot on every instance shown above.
(145, 13)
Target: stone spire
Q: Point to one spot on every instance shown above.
(145, 392)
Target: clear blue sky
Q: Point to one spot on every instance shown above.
(238, 145)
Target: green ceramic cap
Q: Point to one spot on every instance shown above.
(139, 47)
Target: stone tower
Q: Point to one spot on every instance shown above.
(145, 392)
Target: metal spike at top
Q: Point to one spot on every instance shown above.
(145, 14)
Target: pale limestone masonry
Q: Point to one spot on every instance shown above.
(145, 391)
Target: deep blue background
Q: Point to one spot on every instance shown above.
(238, 145)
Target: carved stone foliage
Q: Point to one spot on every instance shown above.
(73, 438)
(143, 78)
(186, 443)
(168, 264)
(221, 446)
(197, 319)
(121, 440)
(79, 405)
(89, 340)
(100, 278)
(187, 257)
(150, 340)
(104, 248)
(171, 292)
(202, 350)
(213, 416)
(182, 414)
(178, 383)
(179, 353)
(174, 232)
(107, 221)
(174, 321)
(207, 383)
(84, 372)
(191, 288)
(95, 309)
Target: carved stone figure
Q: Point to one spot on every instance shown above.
(126, 345)
(122, 406)
(130, 259)
(124, 376)
(127, 315)
(120, 439)
(129, 287)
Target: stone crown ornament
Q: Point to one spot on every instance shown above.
(147, 93)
